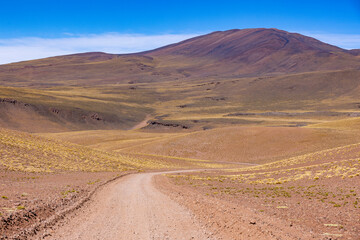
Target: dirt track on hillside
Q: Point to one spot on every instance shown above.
(142, 124)
(131, 208)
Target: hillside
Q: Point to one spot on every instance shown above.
(28, 153)
(253, 145)
(227, 77)
(259, 51)
(314, 193)
(63, 109)
(247, 52)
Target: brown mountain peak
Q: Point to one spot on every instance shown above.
(235, 43)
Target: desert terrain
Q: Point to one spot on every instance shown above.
(239, 134)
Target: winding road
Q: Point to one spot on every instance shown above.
(132, 208)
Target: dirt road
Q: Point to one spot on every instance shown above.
(142, 124)
(132, 208)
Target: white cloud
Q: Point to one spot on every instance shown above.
(20, 49)
(346, 41)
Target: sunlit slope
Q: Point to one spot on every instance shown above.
(26, 152)
(342, 162)
(204, 103)
(318, 190)
(352, 124)
(230, 144)
(110, 140)
(247, 144)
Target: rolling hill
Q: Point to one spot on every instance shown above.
(247, 52)
(204, 80)
(259, 51)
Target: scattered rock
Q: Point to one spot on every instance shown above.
(175, 125)
(96, 116)
(182, 106)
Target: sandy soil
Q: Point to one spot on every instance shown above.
(314, 196)
(31, 202)
(243, 144)
(231, 219)
(131, 208)
(150, 206)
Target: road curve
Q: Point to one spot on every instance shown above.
(132, 208)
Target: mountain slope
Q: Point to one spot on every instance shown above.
(355, 52)
(236, 44)
(215, 75)
(239, 53)
(259, 51)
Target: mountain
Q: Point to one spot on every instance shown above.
(221, 73)
(355, 52)
(238, 45)
(260, 51)
(239, 53)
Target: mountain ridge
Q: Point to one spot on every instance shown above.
(261, 51)
(243, 33)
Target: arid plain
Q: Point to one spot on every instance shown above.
(240, 134)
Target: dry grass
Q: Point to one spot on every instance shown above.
(29, 153)
(24, 152)
(324, 176)
(231, 144)
(316, 191)
(352, 124)
(343, 162)
(199, 102)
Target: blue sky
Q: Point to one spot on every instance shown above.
(41, 28)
